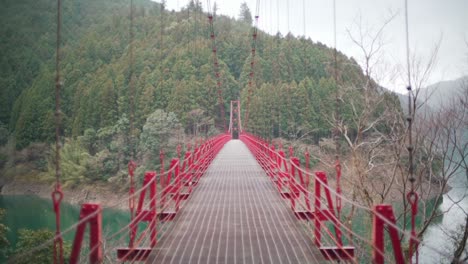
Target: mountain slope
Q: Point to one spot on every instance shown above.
(172, 70)
(442, 93)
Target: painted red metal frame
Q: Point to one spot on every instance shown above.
(252, 70)
(176, 184)
(192, 168)
(382, 216)
(57, 196)
(187, 176)
(284, 174)
(133, 252)
(90, 214)
(217, 71)
(328, 214)
(171, 192)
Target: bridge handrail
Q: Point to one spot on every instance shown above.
(281, 161)
(206, 145)
(199, 160)
(293, 184)
(202, 155)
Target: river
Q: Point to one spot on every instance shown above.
(455, 208)
(33, 212)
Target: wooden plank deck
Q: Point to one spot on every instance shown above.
(235, 215)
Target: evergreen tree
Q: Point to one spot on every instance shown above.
(173, 71)
(157, 131)
(244, 14)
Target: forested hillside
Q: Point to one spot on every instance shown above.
(293, 95)
(137, 92)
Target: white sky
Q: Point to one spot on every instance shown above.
(429, 21)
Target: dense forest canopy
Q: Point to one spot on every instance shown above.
(294, 83)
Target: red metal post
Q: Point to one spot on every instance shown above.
(133, 253)
(297, 163)
(307, 179)
(291, 151)
(317, 208)
(338, 188)
(179, 149)
(57, 196)
(90, 214)
(187, 172)
(151, 177)
(161, 162)
(282, 161)
(292, 187)
(413, 243)
(381, 212)
(177, 182)
(131, 197)
(198, 152)
(321, 181)
(149, 182)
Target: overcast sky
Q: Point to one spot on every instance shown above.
(429, 22)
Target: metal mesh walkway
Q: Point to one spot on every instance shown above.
(235, 215)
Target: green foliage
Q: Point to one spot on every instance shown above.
(174, 75)
(292, 110)
(28, 40)
(73, 161)
(173, 71)
(3, 160)
(29, 240)
(34, 118)
(4, 244)
(157, 132)
(244, 14)
(4, 134)
(106, 150)
(89, 140)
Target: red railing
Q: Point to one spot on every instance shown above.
(293, 184)
(176, 185)
(290, 178)
(292, 181)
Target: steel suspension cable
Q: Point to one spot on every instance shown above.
(161, 41)
(57, 194)
(252, 65)
(329, 237)
(131, 165)
(131, 82)
(271, 18)
(412, 195)
(336, 131)
(216, 67)
(143, 239)
(287, 17)
(357, 205)
(184, 165)
(115, 205)
(88, 217)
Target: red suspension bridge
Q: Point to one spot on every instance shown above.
(233, 198)
(235, 201)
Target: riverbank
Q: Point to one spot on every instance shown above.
(108, 195)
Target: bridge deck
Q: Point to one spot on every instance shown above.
(235, 215)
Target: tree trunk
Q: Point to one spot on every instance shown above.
(461, 245)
